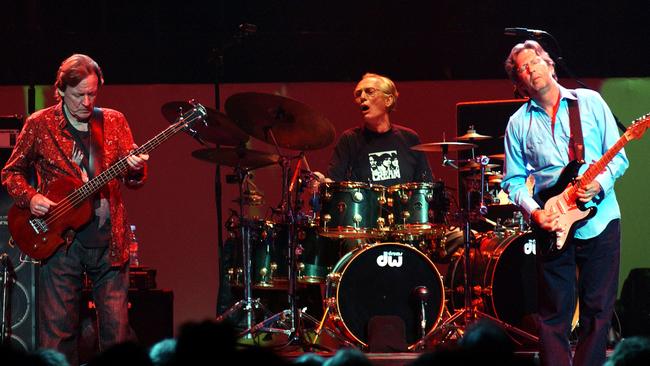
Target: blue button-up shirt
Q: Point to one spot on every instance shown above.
(533, 148)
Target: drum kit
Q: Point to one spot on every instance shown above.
(401, 236)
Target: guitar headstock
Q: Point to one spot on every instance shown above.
(638, 127)
(190, 117)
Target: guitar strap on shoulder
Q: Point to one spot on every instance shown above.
(576, 143)
(96, 155)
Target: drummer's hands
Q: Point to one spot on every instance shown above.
(547, 220)
(136, 162)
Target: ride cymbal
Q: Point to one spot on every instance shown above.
(220, 129)
(237, 157)
(443, 146)
(290, 123)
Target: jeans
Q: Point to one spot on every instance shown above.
(596, 262)
(61, 282)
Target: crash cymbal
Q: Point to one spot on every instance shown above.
(220, 129)
(471, 135)
(236, 157)
(443, 146)
(476, 166)
(497, 156)
(293, 124)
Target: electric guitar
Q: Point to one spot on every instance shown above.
(39, 237)
(562, 197)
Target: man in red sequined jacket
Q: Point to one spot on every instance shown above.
(75, 140)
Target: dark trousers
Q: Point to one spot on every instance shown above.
(61, 282)
(596, 261)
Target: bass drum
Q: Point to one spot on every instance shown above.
(379, 280)
(503, 278)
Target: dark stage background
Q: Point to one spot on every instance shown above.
(439, 53)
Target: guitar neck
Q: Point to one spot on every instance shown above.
(121, 166)
(592, 172)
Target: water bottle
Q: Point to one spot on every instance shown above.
(133, 248)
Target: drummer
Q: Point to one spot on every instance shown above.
(378, 151)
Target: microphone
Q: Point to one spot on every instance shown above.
(524, 32)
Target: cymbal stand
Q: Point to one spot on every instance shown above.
(295, 315)
(247, 304)
(469, 313)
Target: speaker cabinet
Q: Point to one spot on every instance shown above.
(19, 302)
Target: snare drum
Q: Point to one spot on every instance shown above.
(379, 280)
(352, 210)
(414, 207)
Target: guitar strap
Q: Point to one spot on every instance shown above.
(96, 153)
(576, 143)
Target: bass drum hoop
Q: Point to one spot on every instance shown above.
(339, 271)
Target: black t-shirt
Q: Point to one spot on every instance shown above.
(362, 155)
(90, 235)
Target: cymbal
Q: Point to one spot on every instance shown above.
(236, 157)
(489, 175)
(476, 166)
(497, 156)
(220, 129)
(443, 146)
(294, 125)
(472, 135)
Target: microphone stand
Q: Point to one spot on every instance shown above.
(7, 280)
(244, 30)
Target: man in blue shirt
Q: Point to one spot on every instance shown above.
(537, 144)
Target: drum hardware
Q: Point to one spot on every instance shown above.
(248, 305)
(286, 123)
(470, 311)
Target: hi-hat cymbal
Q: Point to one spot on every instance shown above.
(292, 124)
(443, 146)
(220, 129)
(237, 157)
(490, 174)
(476, 166)
(471, 135)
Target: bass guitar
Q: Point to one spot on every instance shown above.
(562, 196)
(39, 237)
